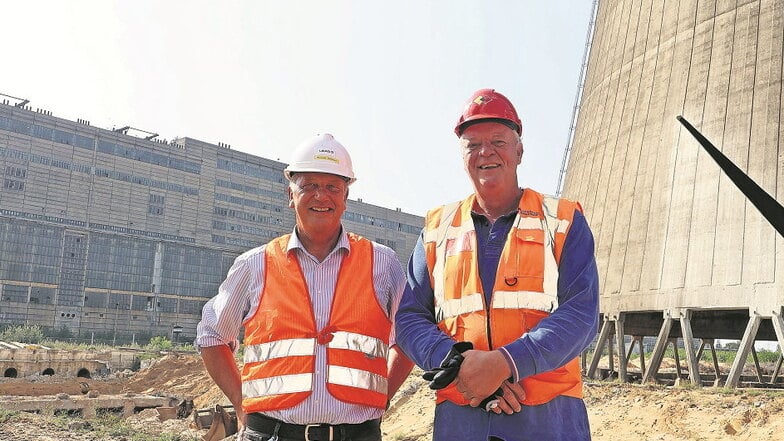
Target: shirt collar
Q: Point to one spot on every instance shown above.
(509, 215)
(294, 242)
(479, 216)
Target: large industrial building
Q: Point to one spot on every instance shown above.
(114, 237)
(682, 253)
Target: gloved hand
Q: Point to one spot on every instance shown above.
(442, 376)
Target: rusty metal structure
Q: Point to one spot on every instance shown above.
(683, 255)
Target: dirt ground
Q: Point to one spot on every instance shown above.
(616, 411)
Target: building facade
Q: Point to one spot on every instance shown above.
(111, 236)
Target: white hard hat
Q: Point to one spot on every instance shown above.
(321, 154)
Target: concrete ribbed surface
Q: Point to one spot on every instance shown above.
(671, 229)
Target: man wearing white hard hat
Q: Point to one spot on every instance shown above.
(317, 305)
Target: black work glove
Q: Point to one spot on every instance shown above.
(442, 376)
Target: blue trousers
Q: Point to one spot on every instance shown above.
(562, 419)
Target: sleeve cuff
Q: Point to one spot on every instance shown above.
(510, 362)
(209, 341)
(441, 352)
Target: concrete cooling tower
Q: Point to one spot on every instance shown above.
(683, 255)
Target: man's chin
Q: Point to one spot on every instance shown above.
(323, 222)
(488, 181)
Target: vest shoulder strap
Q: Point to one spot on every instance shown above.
(558, 217)
(438, 221)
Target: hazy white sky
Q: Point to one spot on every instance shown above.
(388, 79)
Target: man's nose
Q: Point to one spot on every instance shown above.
(486, 148)
(319, 192)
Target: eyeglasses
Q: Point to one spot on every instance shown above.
(312, 187)
(471, 147)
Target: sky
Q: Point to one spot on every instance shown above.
(387, 79)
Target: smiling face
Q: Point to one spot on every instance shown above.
(491, 154)
(319, 200)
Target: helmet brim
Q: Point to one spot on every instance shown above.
(290, 173)
(480, 118)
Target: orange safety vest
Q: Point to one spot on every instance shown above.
(525, 290)
(281, 337)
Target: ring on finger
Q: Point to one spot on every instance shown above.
(491, 405)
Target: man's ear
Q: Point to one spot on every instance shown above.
(291, 198)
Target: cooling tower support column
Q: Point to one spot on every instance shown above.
(688, 344)
(658, 349)
(605, 338)
(638, 339)
(600, 342)
(684, 318)
(747, 345)
(743, 349)
(778, 326)
(622, 359)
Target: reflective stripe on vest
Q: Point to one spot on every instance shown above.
(525, 291)
(280, 348)
(369, 347)
(344, 376)
(281, 337)
(282, 384)
(373, 347)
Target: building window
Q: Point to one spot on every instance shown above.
(13, 184)
(155, 205)
(156, 199)
(15, 172)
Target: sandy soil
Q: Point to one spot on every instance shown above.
(616, 411)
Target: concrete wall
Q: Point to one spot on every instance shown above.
(69, 363)
(671, 230)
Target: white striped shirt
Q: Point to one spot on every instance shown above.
(238, 298)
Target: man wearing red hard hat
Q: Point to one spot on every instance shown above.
(502, 296)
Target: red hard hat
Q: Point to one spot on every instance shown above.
(489, 104)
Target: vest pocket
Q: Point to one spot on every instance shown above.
(535, 236)
(528, 258)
